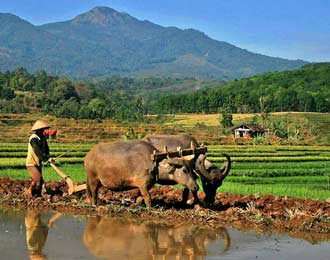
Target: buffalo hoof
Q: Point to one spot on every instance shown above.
(88, 201)
(190, 202)
(139, 200)
(28, 194)
(197, 207)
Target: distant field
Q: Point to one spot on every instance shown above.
(15, 128)
(191, 120)
(294, 171)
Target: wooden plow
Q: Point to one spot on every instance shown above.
(156, 156)
(72, 186)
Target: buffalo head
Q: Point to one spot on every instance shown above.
(211, 176)
(178, 170)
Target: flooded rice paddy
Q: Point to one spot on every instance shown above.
(32, 234)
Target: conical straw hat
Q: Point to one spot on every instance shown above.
(40, 124)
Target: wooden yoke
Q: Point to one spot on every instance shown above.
(155, 156)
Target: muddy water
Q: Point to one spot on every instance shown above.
(48, 235)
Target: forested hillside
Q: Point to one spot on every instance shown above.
(305, 89)
(119, 98)
(122, 98)
(24, 92)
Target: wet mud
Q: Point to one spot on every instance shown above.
(299, 218)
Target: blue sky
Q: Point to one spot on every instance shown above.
(293, 29)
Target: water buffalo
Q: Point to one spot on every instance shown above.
(117, 238)
(114, 238)
(210, 174)
(127, 165)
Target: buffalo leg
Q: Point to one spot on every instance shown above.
(93, 185)
(185, 195)
(196, 199)
(146, 196)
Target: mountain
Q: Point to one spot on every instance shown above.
(105, 42)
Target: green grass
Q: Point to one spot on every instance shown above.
(280, 189)
(22, 154)
(75, 171)
(272, 159)
(322, 181)
(279, 165)
(294, 171)
(279, 172)
(19, 163)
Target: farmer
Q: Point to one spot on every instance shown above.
(37, 232)
(38, 151)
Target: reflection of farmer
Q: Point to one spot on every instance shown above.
(36, 233)
(38, 151)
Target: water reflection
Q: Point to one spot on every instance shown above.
(118, 239)
(80, 237)
(37, 232)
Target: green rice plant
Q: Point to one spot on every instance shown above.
(12, 154)
(266, 148)
(75, 171)
(269, 154)
(15, 173)
(327, 176)
(19, 163)
(303, 148)
(17, 147)
(12, 163)
(272, 159)
(278, 172)
(282, 189)
(53, 154)
(320, 181)
(280, 165)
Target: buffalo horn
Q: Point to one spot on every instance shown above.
(176, 163)
(201, 166)
(224, 170)
(218, 174)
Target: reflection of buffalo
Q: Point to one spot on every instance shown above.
(127, 165)
(117, 239)
(211, 176)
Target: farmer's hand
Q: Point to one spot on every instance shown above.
(51, 160)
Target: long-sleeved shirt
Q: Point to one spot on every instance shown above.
(38, 150)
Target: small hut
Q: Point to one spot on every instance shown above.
(247, 131)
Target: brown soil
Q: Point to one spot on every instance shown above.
(303, 218)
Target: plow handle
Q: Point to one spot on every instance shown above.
(67, 178)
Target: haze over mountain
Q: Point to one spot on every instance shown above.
(105, 42)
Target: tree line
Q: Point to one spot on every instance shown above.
(122, 98)
(305, 89)
(23, 92)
